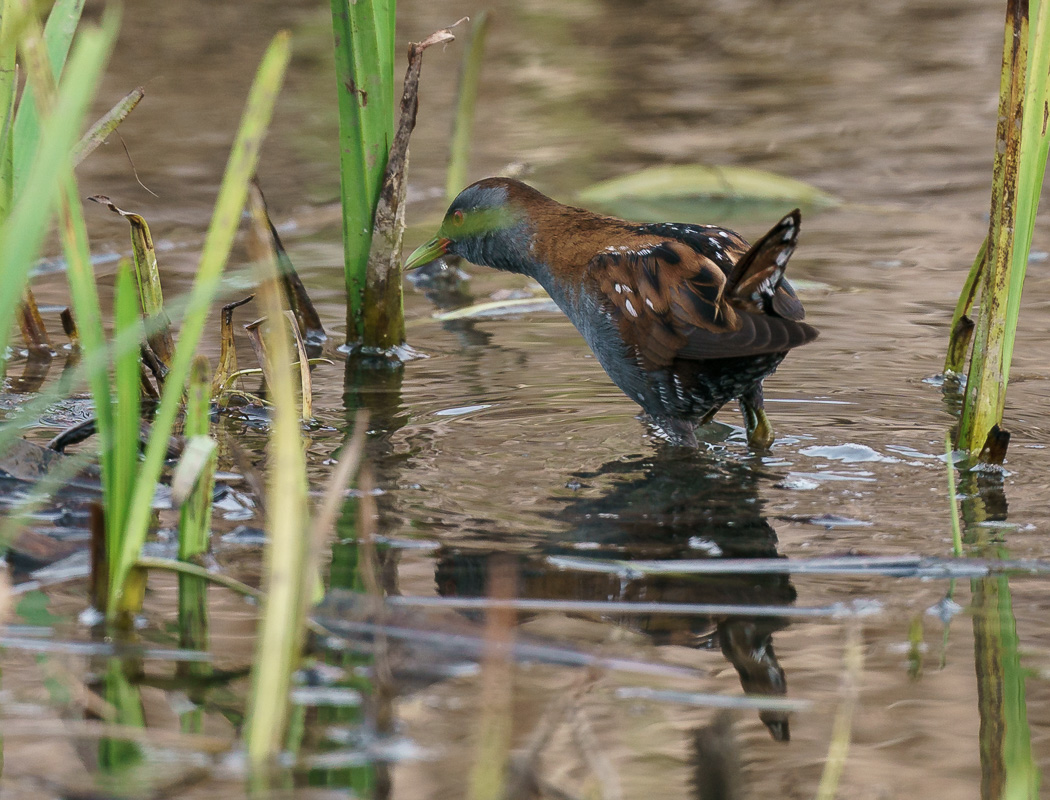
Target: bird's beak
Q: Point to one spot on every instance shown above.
(426, 253)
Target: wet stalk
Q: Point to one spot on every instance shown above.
(1020, 161)
(8, 95)
(1008, 769)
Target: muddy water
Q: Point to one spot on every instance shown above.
(509, 440)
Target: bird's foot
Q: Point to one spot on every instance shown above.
(759, 429)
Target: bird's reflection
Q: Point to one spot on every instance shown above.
(672, 505)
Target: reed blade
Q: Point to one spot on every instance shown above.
(225, 220)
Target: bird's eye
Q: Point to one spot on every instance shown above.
(457, 218)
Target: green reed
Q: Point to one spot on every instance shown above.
(1022, 144)
(224, 224)
(35, 147)
(364, 66)
(281, 629)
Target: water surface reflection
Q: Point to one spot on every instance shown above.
(671, 505)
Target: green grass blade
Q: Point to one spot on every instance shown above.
(194, 530)
(126, 413)
(224, 223)
(117, 757)
(364, 36)
(84, 294)
(8, 92)
(195, 515)
(1035, 145)
(469, 80)
(22, 233)
(281, 629)
(58, 36)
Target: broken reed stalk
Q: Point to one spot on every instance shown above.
(961, 331)
(264, 241)
(384, 315)
(463, 123)
(228, 349)
(1020, 162)
(306, 384)
(34, 334)
(147, 274)
(364, 71)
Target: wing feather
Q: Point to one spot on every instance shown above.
(671, 302)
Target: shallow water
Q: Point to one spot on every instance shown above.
(508, 439)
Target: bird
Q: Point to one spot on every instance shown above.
(683, 318)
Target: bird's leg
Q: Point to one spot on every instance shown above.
(759, 428)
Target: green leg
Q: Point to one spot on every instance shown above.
(759, 428)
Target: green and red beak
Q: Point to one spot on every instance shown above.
(425, 253)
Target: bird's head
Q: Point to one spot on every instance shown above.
(486, 224)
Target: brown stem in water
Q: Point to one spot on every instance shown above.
(384, 327)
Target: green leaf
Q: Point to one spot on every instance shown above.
(58, 36)
(685, 191)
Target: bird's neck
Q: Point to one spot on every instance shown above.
(559, 242)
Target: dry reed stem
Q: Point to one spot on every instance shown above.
(838, 750)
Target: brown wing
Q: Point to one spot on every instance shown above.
(670, 302)
(756, 281)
